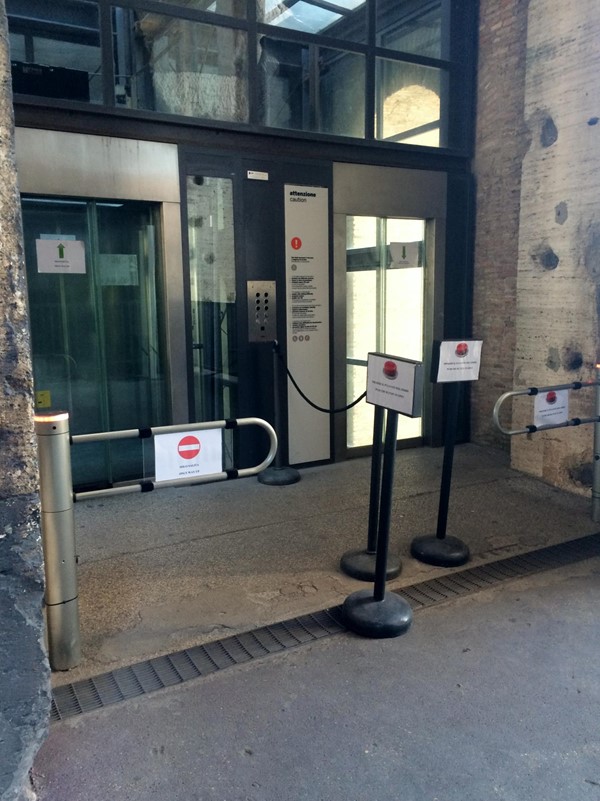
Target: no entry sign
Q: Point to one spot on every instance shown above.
(188, 454)
(189, 447)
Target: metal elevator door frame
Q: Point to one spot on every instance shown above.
(363, 190)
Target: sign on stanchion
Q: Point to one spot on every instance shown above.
(454, 362)
(395, 385)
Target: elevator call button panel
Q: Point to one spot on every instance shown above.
(262, 317)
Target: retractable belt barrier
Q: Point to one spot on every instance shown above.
(574, 421)
(58, 529)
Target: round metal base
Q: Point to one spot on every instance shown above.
(363, 615)
(361, 565)
(279, 476)
(446, 552)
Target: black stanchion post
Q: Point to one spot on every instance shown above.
(375, 613)
(278, 474)
(361, 564)
(441, 550)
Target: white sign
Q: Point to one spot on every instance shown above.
(404, 254)
(307, 309)
(459, 360)
(188, 454)
(395, 384)
(60, 255)
(551, 408)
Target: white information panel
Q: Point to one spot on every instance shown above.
(307, 315)
(551, 408)
(60, 255)
(395, 384)
(459, 360)
(188, 454)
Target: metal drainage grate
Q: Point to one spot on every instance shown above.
(201, 660)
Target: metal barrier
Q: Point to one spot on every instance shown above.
(574, 421)
(144, 433)
(58, 528)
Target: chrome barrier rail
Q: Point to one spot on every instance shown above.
(531, 429)
(145, 433)
(574, 421)
(58, 529)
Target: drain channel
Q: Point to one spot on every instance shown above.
(145, 677)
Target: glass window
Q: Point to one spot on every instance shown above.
(311, 88)
(384, 309)
(413, 27)
(55, 49)
(229, 8)
(343, 19)
(180, 67)
(409, 103)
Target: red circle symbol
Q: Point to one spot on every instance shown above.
(189, 447)
(551, 397)
(296, 243)
(462, 349)
(390, 370)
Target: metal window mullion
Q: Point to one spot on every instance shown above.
(107, 56)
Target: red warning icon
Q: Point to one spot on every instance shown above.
(188, 447)
(296, 243)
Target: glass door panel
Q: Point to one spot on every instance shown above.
(212, 300)
(384, 309)
(96, 327)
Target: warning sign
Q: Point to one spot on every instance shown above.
(188, 454)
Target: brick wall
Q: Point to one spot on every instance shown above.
(501, 142)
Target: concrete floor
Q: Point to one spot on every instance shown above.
(492, 696)
(165, 570)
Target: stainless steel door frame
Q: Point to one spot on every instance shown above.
(364, 190)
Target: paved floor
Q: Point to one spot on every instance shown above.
(491, 696)
(176, 567)
(494, 696)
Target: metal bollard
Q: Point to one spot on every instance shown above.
(58, 540)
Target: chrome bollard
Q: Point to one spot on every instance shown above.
(58, 540)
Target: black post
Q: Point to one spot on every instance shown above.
(361, 564)
(278, 474)
(441, 550)
(377, 613)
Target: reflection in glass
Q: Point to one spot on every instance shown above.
(409, 104)
(311, 88)
(55, 51)
(418, 28)
(212, 299)
(384, 309)
(229, 8)
(180, 67)
(343, 19)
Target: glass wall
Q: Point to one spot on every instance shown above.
(94, 282)
(384, 309)
(298, 65)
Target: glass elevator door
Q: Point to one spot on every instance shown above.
(94, 278)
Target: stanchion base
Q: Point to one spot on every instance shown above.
(279, 476)
(446, 552)
(363, 615)
(361, 565)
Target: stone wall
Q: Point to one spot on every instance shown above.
(24, 673)
(538, 222)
